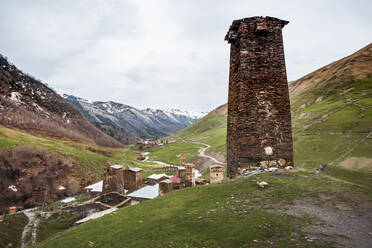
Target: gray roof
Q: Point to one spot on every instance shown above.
(147, 192)
(116, 166)
(157, 176)
(135, 169)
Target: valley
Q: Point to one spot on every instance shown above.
(52, 147)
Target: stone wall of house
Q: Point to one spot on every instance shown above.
(189, 174)
(132, 180)
(216, 174)
(113, 180)
(259, 118)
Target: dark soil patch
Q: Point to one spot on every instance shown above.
(348, 223)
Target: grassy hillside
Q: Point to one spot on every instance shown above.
(331, 116)
(88, 160)
(233, 214)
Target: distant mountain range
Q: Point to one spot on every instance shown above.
(128, 124)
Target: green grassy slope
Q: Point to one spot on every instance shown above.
(331, 116)
(232, 214)
(331, 124)
(11, 228)
(334, 130)
(90, 158)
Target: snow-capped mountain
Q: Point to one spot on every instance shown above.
(127, 124)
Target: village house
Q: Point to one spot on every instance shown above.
(165, 186)
(176, 182)
(132, 179)
(12, 210)
(146, 193)
(113, 180)
(156, 178)
(216, 173)
(181, 173)
(190, 175)
(94, 189)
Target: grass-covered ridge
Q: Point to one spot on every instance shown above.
(232, 214)
(90, 158)
(330, 125)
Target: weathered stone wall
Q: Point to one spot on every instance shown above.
(216, 173)
(189, 174)
(113, 180)
(132, 180)
(259, 118)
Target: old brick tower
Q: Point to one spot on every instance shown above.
(259, 129)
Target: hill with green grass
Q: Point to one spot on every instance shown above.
(331, 116)
(303, 208)
(231, 214)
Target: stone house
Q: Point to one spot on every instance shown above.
(113, 180)
(216, 173)
(165, 186)
(156, 178)
(132, 179)
(181, 173)
(146, 193)
(190, 175)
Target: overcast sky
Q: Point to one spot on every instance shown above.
(166, 53)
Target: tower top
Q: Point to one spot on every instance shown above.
(258, 24)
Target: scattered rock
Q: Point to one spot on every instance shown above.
(272, 169)
(262, 184)
(265, 164)
(319, 99)
(288, 168)
(273, 163)
(304, 115)
(303, 106)
(282, 162)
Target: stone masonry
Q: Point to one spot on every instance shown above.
(259, 118)
(113, 180)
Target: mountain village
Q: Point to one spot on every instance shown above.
(281, 164)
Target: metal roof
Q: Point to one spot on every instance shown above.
(135, 169)
(175, 179)
(116, 166)
(97, 187)
(157, 176)
(147, 192)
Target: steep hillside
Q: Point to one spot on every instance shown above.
(128, 124)
(332, 113)
(331, 117)
(45, 142)
(32, 168)
(351, 68)
(27, 104)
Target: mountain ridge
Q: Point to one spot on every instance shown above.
(128, 124)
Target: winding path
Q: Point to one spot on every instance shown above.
(202, 151)
(30, 231)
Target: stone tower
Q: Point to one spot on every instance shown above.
(259, 119)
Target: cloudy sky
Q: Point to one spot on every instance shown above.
(166, 53)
